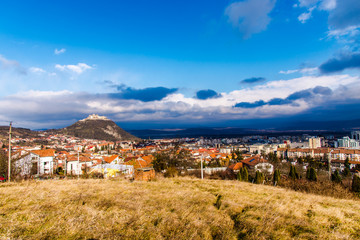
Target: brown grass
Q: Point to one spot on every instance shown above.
(175, 208)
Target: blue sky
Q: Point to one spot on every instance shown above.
(193, 63)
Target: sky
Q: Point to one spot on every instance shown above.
(164, 64)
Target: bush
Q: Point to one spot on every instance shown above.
(335, 177)
(95, 175)
(238, 175)
(311, 174)
(243, 175)
(346, 172)
(293, 174)
(259, 177)
(276, 179)
(171, 172)
(355, 186)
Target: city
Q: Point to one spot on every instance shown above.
(48, 155)
(215, 120)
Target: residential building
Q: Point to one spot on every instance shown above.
(314, 142)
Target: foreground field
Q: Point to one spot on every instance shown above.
(177, 208)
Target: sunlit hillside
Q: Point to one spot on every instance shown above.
(176, 208)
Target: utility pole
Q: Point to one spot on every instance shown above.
(65, 165)
(329, 164)
(202, 174)
(9, 163)
(79, 167)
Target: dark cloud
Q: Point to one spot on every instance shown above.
(144, 95)
(206, 94)
(279, 101)
(253, 80)
(306, 94)
(346, 14)
(303, 94)
(250, 105)
(322, 90)
(339, 64)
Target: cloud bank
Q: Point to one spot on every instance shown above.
(276, 99)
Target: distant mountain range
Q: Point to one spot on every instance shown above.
(225, 132)
(98, 127)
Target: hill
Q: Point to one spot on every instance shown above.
(17, 132)
(177, 208)
(97, 127)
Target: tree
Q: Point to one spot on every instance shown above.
(273, 158)
(233, 156)
(3, 164)
(293, 174)
(346, 171)
(276, 179)
(259, 177)
(238, 175)
(307, 173)
(239, 156)
(174, 158)
(355, 186)
(160, 162)
(347, 163)
(311, 174)
(335, 177)
(244, 174)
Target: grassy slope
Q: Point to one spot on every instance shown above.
(179, 208)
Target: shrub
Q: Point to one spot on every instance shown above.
(218, 201)
(346, 172)
(238, 176)
(293, 174)
(244, 174)
(276, 179)
(96, 175)
(355, 186)
(171, 172)
(311, 174)
(259, 177)
(335, 177)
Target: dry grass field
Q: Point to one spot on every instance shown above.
(176, 208)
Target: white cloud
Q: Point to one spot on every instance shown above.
(302, 70)
(306, 15)
(348, 32)
(36, 70)
(59, 51)
(250, 16)
(78, 68)
(328, 5)
(323, 4)
(289, 71)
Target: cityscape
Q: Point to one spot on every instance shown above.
(48, 153)
(234, 119)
